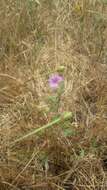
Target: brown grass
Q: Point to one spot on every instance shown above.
(35, 41)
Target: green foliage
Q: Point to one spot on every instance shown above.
(34, 1)
(82, 153)
(68, 128)
(103, 1)
(69, 132)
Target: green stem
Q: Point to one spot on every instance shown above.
(65, 116)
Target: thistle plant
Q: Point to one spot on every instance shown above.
(54, 81)
(56, 84)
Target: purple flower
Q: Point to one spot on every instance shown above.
(55, 80)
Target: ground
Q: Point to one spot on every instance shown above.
(40, 38)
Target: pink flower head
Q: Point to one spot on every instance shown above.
(55, 80)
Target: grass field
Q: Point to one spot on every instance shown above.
(53, 138)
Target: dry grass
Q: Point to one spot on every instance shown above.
(35, 40)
